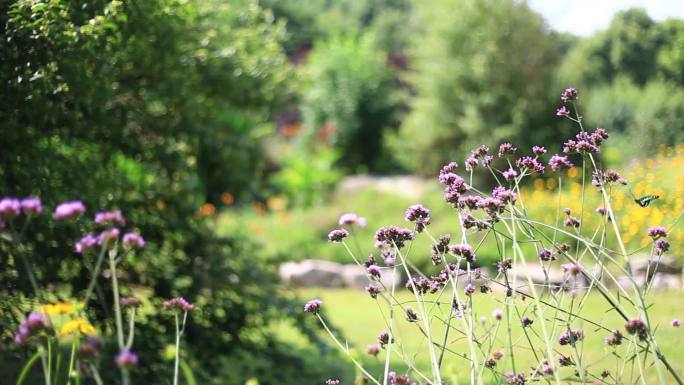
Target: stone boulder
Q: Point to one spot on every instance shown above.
(664, 264)
(312, 273)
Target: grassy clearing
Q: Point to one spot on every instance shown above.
(359, 319)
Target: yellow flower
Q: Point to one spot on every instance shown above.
(78, 324)
(60, 308)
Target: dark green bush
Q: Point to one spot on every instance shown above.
(152, 107)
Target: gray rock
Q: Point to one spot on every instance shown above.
(312, 273)
(664, 264)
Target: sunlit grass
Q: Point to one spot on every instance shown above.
(359, 319)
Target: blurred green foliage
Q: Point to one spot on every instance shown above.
(482, 73)
(152, 107)
(631, 79)
(348, 100)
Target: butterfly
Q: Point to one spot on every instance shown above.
(646, 200)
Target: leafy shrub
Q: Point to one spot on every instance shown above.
(349, 101)
(481, 72)
(149, 107)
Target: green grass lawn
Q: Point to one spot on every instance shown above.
(359, 319)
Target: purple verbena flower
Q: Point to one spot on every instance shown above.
(86, 243)
(107, 236)
(31, 206)
(547, 255)
(470, 163)
(68, 210)
(559, 162)
(126, 359)
(531, 164)
(332, 381)
(418, 214)
(373, 349)
(538, 150)
(110, 217)
(313, 306)
(373, 290)
(506, 149)
(656, 232)
(504, 194)
(570, 337)
(178, 304)
(497, 314)
(676, 323)
(637, 327)
(568, 94)
(10, 207)
(614, 339)
(661, 246)
(393, 235)
(91, 347)
(571, 222)
(373, 271)
(133, 241)
(469, 289)
(463, 250)
(337, 235)
(562, 111)
(350, 219)
(509, 174)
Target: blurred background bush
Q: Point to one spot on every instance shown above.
(174, 110)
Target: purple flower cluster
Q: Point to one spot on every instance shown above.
(32, 325)
(313, 306)
(441, 247)
(614, 339)
(562, 111)
(504, 195)
(656, 232)
(373, 271)
(13, 207)
(404, 379)
(178, 304)
(661, 246)
(89, 241)
(509, 174)
(637, 327)
(570, 337)
(530, 163)
(350, 219)
(337, 235)
(133, 241)
(568, 94)
(332, 381)
(69, 210)
(418, 214)
(384, 338)
(506, 149)
(586, 142)
(373, 290)
(126, 359)
(463, 250)
(110, 217)
(393, 235)
(515, 378)
(538, 150)
(560, 162)
(599, 178)
(411, 315)
(547, 255)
